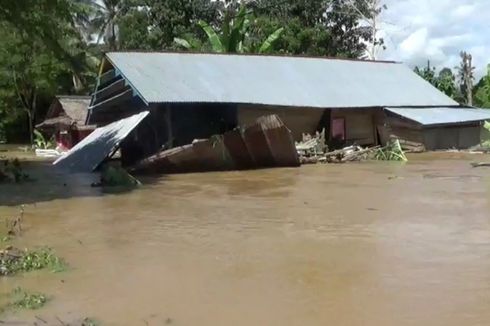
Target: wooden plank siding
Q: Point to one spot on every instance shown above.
(359, 125)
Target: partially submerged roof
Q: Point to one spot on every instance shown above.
(87, 155)
(273, 80)
(442, 115)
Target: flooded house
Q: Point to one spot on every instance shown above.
(192, 96)
(65, 120)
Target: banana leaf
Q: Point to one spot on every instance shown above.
(212, 36)
(183, 43)
(267, 45)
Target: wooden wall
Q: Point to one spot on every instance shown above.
(458, 137)
(461, 136)
(359, 124)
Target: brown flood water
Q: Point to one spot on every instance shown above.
(359, 244)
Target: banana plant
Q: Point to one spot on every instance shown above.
(232, 36)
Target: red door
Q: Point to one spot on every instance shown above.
(338, 128)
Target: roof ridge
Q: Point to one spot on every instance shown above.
(292, 56)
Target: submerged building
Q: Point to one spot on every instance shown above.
(192, 96)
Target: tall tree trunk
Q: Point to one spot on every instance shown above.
(469, 81)
(31, 114)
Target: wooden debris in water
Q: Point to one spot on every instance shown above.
(480, 164)
(309, 155)
(346, 154)
(312, 147)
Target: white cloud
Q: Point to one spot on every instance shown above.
(437, 30)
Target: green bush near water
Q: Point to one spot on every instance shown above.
(14, 262)
(391, 152)
(19, 298)
(23, 299)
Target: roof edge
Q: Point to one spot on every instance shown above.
(255, 55)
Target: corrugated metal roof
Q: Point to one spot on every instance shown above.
(440, 116)
(92, 150)
(273, 80)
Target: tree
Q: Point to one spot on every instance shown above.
(370, 11)
(445, 81)
(30, 75)
(315, 27)
(428, 73)
(41, 53)
(231, 37)
(482, 91)
(466, 77)
(172, 19)
(103, 19)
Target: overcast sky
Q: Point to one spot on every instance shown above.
(417, 30)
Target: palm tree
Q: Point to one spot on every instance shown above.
(101, 19)
(231, 37)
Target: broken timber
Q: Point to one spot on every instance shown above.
(266, 143)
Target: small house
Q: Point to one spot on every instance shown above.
(195, 95)
(65, 120)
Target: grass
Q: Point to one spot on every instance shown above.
(392, 152)
(22, 299)
(14, 261)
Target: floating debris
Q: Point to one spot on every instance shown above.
(311, 151)
(480, 164)
(312, 148)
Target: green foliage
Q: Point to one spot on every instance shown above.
(391, 152)
(485, 135)
(117, 177)
(41, 142)
(232, 36)
(482, 91)
(445, 80)
(172, 19)
(316, 27)
(14, 261)
(22, 299)
(42, 53)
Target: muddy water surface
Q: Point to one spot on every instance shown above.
(359, 244)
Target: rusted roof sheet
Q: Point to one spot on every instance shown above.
(442, 115)
(87, 155)
(273, 80)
